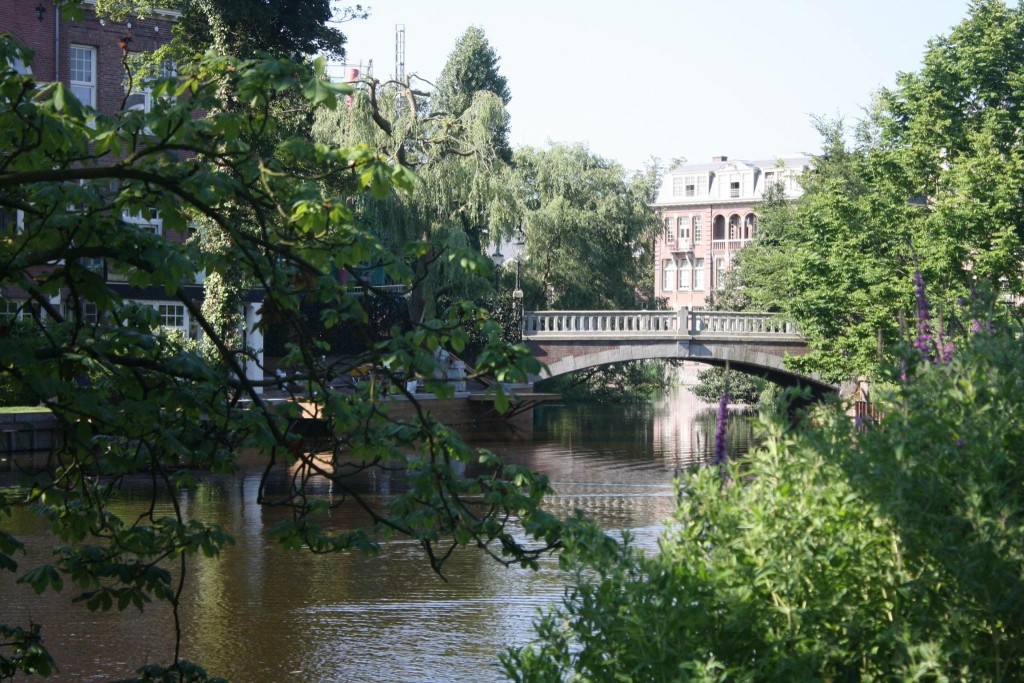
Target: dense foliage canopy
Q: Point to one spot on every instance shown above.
(130, 397)
(930, 181)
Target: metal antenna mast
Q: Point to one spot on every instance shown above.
(400, 53)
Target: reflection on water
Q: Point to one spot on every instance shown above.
(260, 613)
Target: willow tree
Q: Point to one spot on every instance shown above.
(589, 231)
(127, 397)
(462, 201)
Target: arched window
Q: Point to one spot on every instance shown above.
(734, 226)
(718, 230)
(749, 226)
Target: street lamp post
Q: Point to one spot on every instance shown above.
(498, 258)
(517, 293)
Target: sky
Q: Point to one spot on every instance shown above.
(687, 79)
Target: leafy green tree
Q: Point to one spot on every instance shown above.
(589, 232)
(714, 382)
(463, 200)
(834, 551)
(153, 404)
(946, 137)
(284, 28)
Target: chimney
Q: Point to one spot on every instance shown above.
(718, 160)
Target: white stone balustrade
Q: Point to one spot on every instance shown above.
(644, 324)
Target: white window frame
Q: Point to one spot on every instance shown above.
(174, 311)
(144, 89)
(697, 230)
(678, 185)
(11, 309)
(154, 225)
(78, 86)
(668, 275)
(164, 314)
(683, 226)
(685, 276)
(699, 276)
(19, 221)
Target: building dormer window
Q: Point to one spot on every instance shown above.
(734, 189)
(678, 186)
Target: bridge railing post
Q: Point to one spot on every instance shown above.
(683, 320)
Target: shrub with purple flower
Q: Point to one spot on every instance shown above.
(721, 442)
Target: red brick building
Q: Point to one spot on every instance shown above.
(87, 56)
(709, 212)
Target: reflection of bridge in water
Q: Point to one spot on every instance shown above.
(758, 343)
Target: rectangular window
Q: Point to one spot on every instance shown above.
(734, 189)
(668, 276)
(670, 234)
(141, 96)
(677, 186)
(697, 232)
(11, 222)
(83, 74)
(698, 275)
(683, 225)
(685, 275)
(172, 315)
(694, 186)
(149, 221)
(720, 273)
(10, 308)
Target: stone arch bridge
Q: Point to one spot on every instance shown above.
(567, 341)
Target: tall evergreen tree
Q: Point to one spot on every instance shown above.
(471, 70)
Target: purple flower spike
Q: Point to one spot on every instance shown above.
(978, 326)
(924, 342)
(947, 352)
(721, 445)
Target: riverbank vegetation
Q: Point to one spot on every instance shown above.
(885, 550)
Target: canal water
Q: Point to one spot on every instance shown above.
(260, 613)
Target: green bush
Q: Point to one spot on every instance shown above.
(890, 551)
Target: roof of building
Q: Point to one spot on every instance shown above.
(795, 162)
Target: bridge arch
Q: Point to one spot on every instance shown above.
(758, 343)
